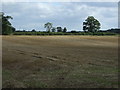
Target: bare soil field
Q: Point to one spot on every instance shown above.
(60, 61)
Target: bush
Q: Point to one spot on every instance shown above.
(63, 33)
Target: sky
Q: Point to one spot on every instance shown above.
(33, 15)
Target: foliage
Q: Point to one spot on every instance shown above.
(91, 24)
(65, 29)
(53, 29)
(33, 30)
(6, 25)
(63, 33)
(48, 26)
(59, 29)
(73, 31)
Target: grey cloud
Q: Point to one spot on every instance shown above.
(102, 4)
(70, 15)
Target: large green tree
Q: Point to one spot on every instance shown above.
(7, 27)
(91, 24)
(48, 26)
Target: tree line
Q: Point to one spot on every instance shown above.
(49, 28)
(91, 26)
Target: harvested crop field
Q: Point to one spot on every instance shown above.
(60, 61)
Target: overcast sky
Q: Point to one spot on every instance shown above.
(32, 15)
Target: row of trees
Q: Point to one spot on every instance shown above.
(50, 28)
(89, 25)
(62, 33)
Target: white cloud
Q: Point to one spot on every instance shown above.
(70, 15)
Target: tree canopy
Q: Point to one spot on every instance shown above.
(91, 24)
(65, 29)
(59, 29)
(48, 26)
(7, 27)
(53, 29)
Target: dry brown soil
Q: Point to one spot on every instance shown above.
(60, 61)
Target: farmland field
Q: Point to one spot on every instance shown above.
(60, 61)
